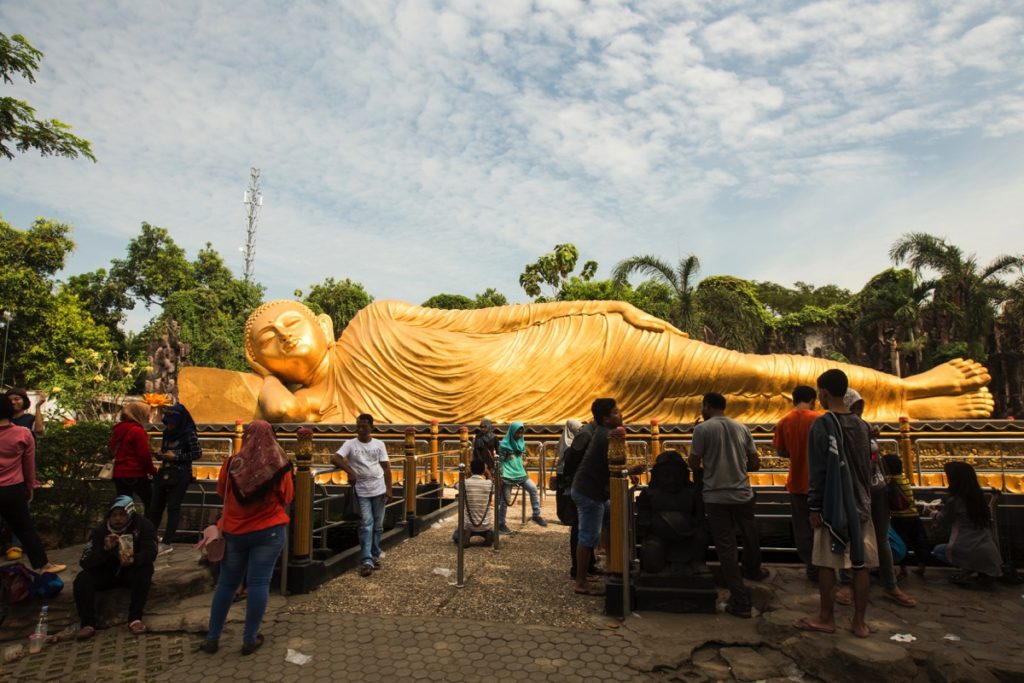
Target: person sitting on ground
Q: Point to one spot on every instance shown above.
(903, 515)
(790, 441)
(590, 490)
(133, 458)
(839, 498)
(365, 460)
(485, 444)
(179, 448)
(18, 484)
(256, 486)
(479, 498)
(670, 517)
(120, 553)
(971, 546)
(34, 423)
(511, 450)
(725, 450)
(879, 518)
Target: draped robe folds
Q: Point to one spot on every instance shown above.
(536, 363)
(544, 363)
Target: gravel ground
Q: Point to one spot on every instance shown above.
(525, 582)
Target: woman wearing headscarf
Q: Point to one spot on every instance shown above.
(133, 458)
(255, 485)
(179, 447)
(120, 552)
(511, 450)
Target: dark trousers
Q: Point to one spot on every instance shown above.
(911, 530)
(90, 581)
(14, 511)
(169, 498)
(135, 486)
(802, 533)
(725, 520)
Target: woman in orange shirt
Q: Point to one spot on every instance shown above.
(255, 485)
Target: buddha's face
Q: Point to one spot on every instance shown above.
(288, 342)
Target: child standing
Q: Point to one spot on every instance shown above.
(905, 519)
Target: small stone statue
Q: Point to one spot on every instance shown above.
(167, 353)
(671, 521)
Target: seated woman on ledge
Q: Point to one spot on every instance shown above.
(970, 546)
(540, 363)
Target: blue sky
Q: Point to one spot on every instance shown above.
(421, 147)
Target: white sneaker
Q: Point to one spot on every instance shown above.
(164, 548)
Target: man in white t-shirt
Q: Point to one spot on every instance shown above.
(365, 459)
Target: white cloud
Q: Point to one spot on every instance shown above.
(425, 147)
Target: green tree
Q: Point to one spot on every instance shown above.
(450, 301)
(782, 300)
(965, 295)
(104, 299)
(553, 269)
(19, 127)
(889, 308)
(679, 279)
(488, 298)
(731, 315)
(341, 300)
(67, 331)
(155, 267)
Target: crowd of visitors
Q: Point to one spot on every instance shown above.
(846, 500)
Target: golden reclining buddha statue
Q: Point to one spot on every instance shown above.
(537, 363)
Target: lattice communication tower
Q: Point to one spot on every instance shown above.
(253, 200)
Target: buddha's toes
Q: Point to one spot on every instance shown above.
(974, 405)
(953, 378)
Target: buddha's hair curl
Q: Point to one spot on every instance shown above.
(263, 308)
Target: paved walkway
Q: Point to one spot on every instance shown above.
(958, 635)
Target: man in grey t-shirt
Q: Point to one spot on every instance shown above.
(725, 450)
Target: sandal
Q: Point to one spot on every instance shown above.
(844, 596)
(249, 648)
(900, 598)
(594, 591)
(86, 632)
(53, 567)
(805, 624)
(137, 627)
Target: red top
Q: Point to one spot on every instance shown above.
(17, 456)
(242, 519)
(791, 435)
(132, 455)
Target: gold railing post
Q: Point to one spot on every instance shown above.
(907, 451)
(655, 440)
(618, 487)
(236, 440)
(464, 447)
(434, 448)
(410, 476)
(302, 509)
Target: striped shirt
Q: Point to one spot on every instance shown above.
(478, 504)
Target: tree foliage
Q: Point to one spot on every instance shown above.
(488, 298)
(341, 300)
(155, 267)
(457, 302)
(553, 269)
(731, 315)
(19, 127)
(680, 280)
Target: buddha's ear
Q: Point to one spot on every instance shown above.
(327, 326)
(256, 367)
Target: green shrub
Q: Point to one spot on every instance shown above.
(71, 502)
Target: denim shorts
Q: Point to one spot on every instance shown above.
(591, 517)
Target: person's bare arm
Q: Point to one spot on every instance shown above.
(341, 463)
(386, 466)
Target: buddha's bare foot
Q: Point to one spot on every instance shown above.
(952, 378)
(975, 405)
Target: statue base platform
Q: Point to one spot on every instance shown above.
(680, 595)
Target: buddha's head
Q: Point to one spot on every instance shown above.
(286, 339)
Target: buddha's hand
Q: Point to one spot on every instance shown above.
(278, 404)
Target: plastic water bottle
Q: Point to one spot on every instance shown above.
(36, 640)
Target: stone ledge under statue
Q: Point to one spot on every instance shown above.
(536, 363)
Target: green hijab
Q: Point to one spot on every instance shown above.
(510, 443)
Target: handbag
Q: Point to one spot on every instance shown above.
(106, 472)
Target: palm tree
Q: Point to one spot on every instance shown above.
(965, 295)
(680, 279)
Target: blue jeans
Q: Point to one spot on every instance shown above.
(591, 518)
(253, 554)
(939, 552)
(506, 491)
(371, 526)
